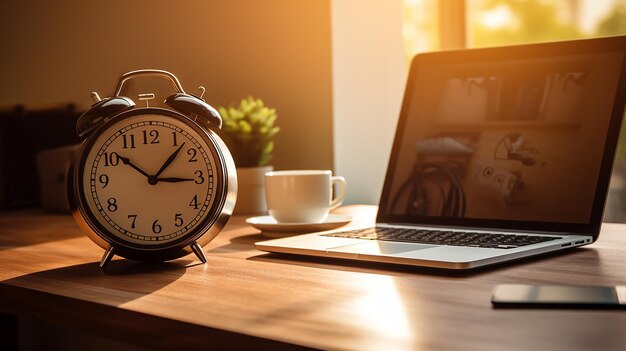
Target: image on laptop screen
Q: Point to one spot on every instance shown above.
(513, 140)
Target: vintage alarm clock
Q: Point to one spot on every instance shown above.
(148, 183)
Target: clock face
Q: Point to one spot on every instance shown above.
(150, 179)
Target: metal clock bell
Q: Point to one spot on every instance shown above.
(148, 183)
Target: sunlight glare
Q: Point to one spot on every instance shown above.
(499, 17)
(382, 305)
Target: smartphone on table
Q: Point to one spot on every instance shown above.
(558, 296)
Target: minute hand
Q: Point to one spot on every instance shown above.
(169, 161)
(174, 180)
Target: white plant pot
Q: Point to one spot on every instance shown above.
(251, 192)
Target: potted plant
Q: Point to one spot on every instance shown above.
(249, 133)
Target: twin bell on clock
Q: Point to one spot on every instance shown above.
(150, 183)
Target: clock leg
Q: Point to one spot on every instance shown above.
(106, 258)
(197, 249)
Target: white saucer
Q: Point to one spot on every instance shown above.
(269, 224)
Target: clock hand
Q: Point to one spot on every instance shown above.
(169, 161)
(174, 180)
(127, 161)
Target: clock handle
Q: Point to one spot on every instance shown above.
(106, 258)
(197, 249)
(148, 72)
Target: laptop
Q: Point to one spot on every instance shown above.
(499, 154)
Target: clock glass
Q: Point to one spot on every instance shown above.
(150, 179)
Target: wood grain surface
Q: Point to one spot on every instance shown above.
(244, 298)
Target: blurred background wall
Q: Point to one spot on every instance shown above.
(57, 52)
(334, 69)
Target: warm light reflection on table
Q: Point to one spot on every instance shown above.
(381, 305)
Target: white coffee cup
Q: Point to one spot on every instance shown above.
(302, 196)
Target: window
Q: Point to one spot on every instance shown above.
(420, 27)
(506, 22)
(448, 24)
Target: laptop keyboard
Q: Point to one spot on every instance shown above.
(442, 237)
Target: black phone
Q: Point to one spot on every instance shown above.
(558, 296)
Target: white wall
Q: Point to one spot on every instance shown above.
(369, 74)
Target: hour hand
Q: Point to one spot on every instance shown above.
(174, 180)
(126, 161)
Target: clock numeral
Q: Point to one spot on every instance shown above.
(128, 140)
(192, 152)
(200, 178)
(194, 202)
(178, 220)
(156, 228)
(104, 180)
(174, 139)
(112, 204)
(112, 159)
(133, 218)
(154, 134)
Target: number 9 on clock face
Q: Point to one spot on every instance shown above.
(150, 179)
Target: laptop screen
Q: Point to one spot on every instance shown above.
(513, 138)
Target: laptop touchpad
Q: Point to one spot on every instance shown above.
(379, 248)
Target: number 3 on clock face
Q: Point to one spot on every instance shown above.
(150, 179)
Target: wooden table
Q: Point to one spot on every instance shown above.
(244, 298)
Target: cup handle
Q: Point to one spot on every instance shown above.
(340, 194)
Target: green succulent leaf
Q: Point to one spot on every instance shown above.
(250, 131)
